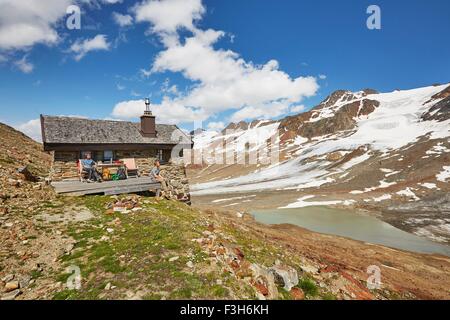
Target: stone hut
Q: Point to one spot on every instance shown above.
(69, 138)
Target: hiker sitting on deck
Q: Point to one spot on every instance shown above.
(89, 167)
(155, 175)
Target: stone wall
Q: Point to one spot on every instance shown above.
(177, 182)
(64, 166)
(144, 159)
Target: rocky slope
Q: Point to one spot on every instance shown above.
(134, 247)
(387, 152)
(19, 151)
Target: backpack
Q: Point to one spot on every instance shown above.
(121, 174)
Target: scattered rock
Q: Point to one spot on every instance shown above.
(12, 285)
(310, 269)
(14, 183)
(238, 252)
(69, 248)
(8, 278)
(263, 280)
(261, 287)
(11, 295)
(174, 259)
(37, 187)
(297, 293)
(190, 264)
(109, 230)
(285, 276)
(25, 281)
(108, 286)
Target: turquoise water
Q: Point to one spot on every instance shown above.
(352, 225)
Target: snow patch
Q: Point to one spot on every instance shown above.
(408, 193)
(353, 162)
(382, 198)
(233, 198)
(429, 185)
(444, 175)
(300, 203)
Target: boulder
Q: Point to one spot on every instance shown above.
(285, 276)
(264, 282)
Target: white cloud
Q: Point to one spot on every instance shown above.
(169, 15)
(222, 79)
(32, 129)
(169, 89)
(297, 108)
(112, 1)
(25, 23)
(169, 111)
(322, 76)
(145, 73)
(82, 47)
(97, 3)
(120, 87)
(122, 20)
(24, 65)
(216, 125)
(226, 81)
(264, 111)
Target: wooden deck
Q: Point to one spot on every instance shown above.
(77, 188)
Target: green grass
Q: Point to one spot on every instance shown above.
(328, 296)
(309, 287)
(147, 240)
(35, 274)
(136, 256)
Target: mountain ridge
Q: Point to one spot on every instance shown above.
(367, 150)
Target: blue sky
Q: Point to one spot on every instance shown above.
(211, 60)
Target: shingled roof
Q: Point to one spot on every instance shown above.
(69, 130)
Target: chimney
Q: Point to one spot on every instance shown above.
(148, 125)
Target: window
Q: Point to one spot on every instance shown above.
(159, 155)
(103, 156)
(108, 156)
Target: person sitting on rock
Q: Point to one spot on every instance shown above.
(89, 166)
(155, 175)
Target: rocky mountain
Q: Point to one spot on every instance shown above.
(18, 151)
(387, 152)
(187, 253)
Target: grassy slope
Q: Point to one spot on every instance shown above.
(136, 257)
